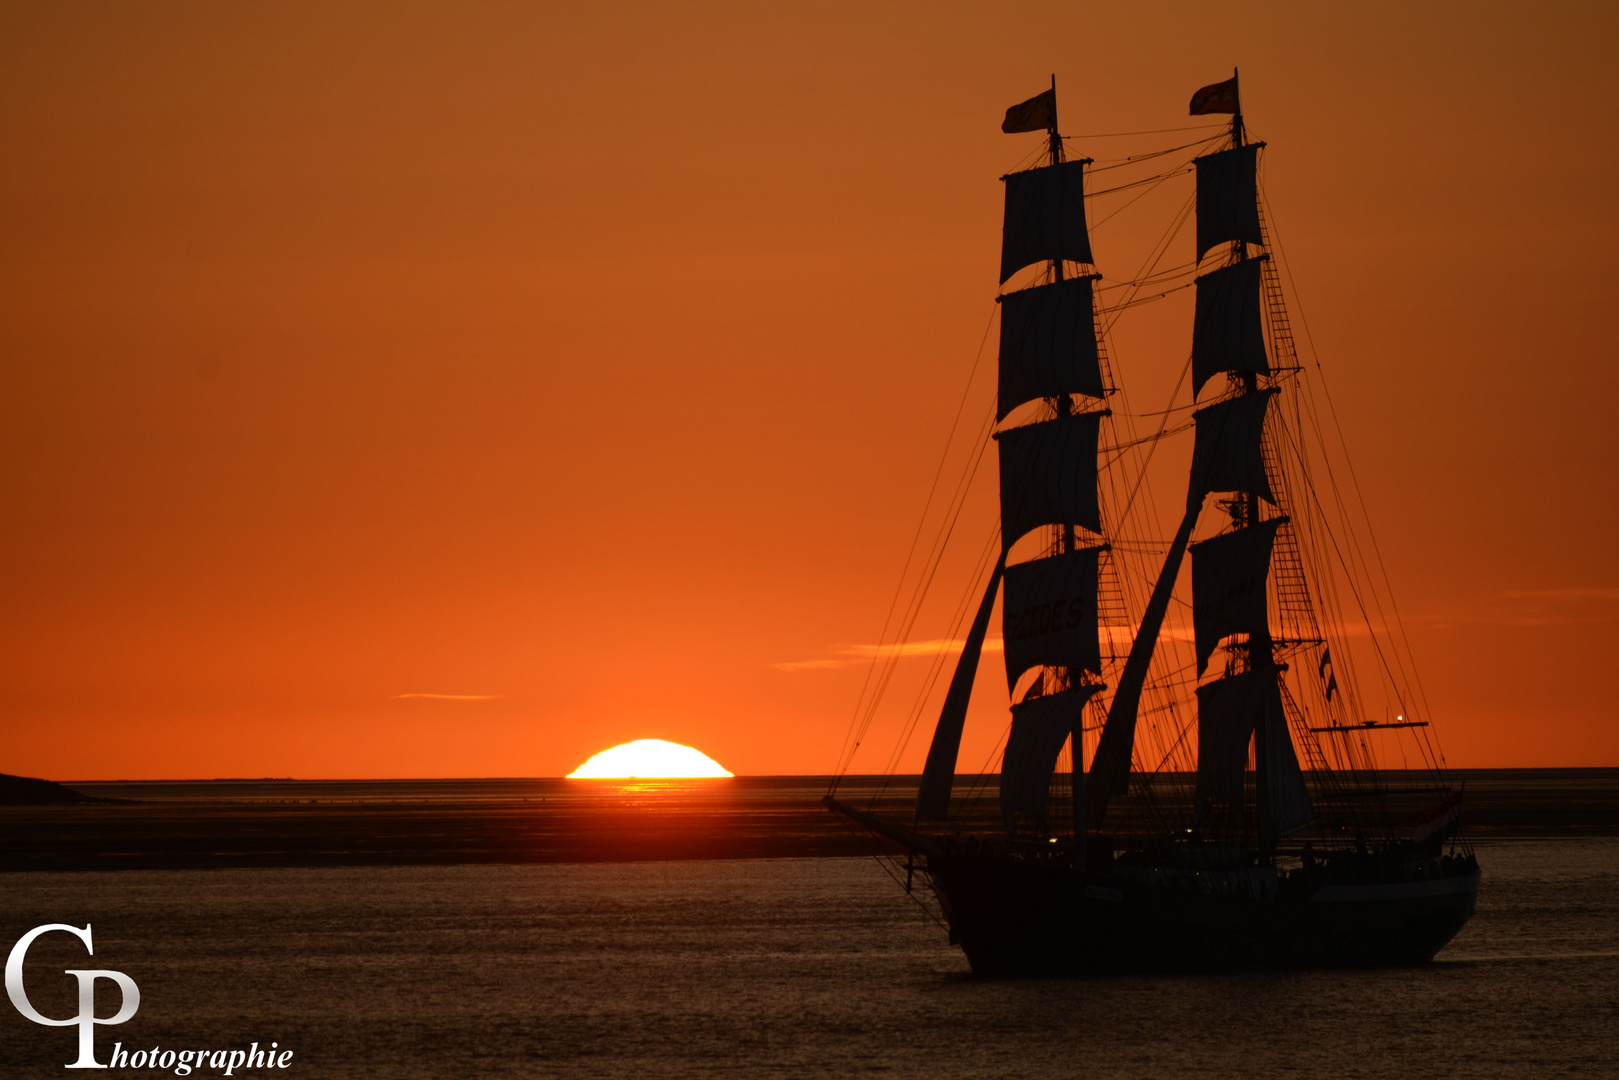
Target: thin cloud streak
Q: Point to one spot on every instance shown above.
(1118, 638)
(447, 697)
(1561, 594)
(916, 648)
(1536, 608)
(858, 654)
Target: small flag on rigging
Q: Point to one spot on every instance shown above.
(1039, 113)
(1324, 670)
(1220, 97)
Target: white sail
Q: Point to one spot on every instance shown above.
(1287, 795)
(1228, 453)
(1048, 344)
(1228, 587)
(1049, 616)
(1228, 197)
(1229, 712)
(1045, 217)
(1228, 333)
(1039, 728)
(938, 776)
(1048, 475)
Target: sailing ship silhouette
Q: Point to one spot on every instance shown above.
(1242, 854)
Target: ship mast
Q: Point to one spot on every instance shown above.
(1230, 570)
(1261, 652)
(1059, 679)
(1049, 353)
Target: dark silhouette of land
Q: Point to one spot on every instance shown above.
(257, 823)
(27, 791)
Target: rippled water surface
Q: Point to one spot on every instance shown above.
(776, 968)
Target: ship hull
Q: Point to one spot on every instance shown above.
(1044, 917)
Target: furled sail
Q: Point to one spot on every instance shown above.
(1039, 728)
(1049, 616)
(1045, 217)
(1228, 586)
(1227, 333)
(1048, 344)
(1228, 454)
(1048, 475)
(939, 774)
(1227, 198)
(1229, 711)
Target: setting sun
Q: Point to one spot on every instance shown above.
(648, 758)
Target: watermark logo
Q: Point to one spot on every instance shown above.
(182, 1062)
(87, 1018)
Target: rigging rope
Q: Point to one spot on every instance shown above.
(856, 730)
(1220, 127)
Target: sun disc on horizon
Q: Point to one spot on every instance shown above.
(647, 759)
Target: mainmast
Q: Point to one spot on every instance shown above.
(1229, 571)
(1261, 653)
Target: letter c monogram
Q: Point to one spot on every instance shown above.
(87, 1019)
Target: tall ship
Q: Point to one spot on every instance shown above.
(1190, 776)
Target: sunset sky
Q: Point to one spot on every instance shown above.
(461, 389)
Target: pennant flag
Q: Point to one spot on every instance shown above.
(1326, 662)
(1332, 685)
(1039, 113)
(1428, 822)
(1220, 97)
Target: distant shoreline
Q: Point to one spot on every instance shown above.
(1570, 771)
(212, 824)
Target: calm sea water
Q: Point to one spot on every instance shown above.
(803, 968)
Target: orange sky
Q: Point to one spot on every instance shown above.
(589, 363)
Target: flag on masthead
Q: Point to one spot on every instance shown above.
(1220, 97)
(1039, 113)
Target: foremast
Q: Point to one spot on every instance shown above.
(1050, 352)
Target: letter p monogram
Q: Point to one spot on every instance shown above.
(87, 1019)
